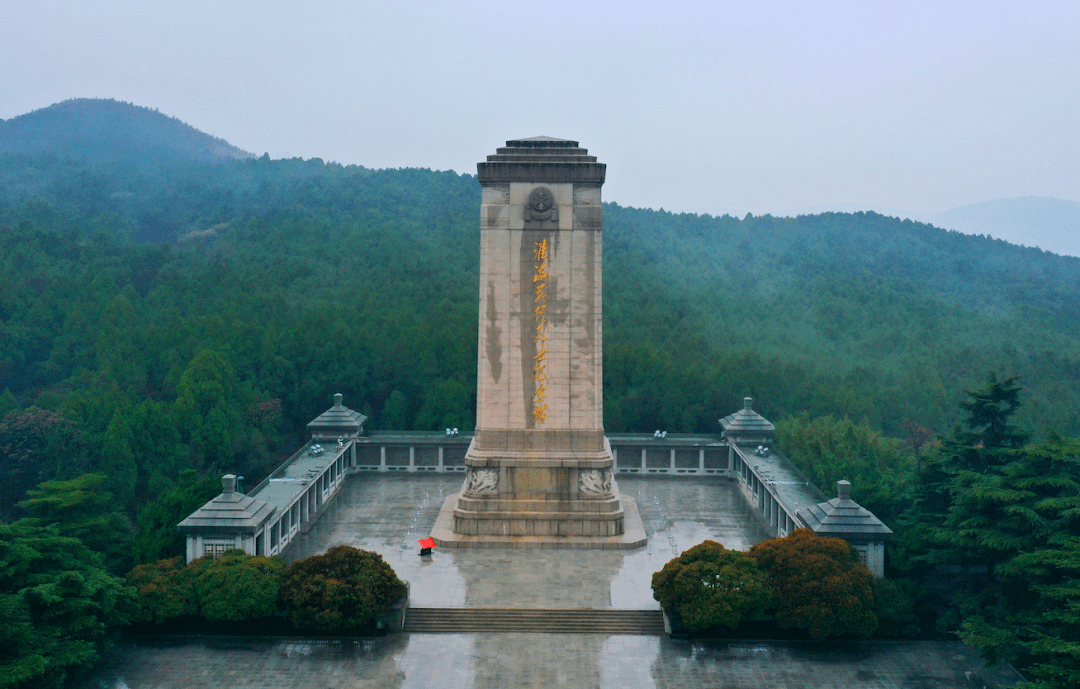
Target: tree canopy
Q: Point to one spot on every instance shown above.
(339, 592)
(818, 584)
(994, 533)
(709, 586)
(82, 509)
(58, 605)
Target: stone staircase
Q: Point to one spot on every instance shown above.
(535, 620)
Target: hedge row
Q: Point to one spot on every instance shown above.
(340, 592)
(803, 581)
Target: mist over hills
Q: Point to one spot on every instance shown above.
(1032, 221)
(1048, 223)
(835, 313)
(106, 130)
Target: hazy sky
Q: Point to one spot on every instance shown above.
(760, 106)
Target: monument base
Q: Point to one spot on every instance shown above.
(633, 535)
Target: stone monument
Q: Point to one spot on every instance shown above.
(539, 468)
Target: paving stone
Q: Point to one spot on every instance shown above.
(376, 512)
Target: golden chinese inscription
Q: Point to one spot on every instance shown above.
(540, 276)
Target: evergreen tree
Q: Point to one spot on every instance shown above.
(118, 459)
(996, 533)
(208, 407)
(395, 414)
(156, 536)
(82, 508)
(35, 445)
(987, 441)
(57, 606)
(1024, 522)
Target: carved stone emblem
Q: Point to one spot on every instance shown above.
(481, 481)
(541, 206)
(594, 481)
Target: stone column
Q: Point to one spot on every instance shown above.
(539, 465)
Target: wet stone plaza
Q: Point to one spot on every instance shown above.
(388, 513)
(383, 513)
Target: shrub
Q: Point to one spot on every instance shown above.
(818, 584)
(340, 592)
(236, 586)
(709, 586)
(896, 605)
(164, 589)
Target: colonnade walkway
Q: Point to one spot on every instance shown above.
(388, 513)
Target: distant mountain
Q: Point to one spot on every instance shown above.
(109, 131)
(1033, 221)
(1048, 223)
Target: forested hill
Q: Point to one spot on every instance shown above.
(892, 317)
(200, 314)
(98, 130)
(163, 323)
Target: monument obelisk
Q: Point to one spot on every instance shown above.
(539, 468)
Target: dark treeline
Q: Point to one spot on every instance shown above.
(160, 325)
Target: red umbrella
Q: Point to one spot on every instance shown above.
(427, 542)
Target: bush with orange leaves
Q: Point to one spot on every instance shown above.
(818, 584)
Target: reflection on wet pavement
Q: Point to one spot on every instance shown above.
(496, 661)
(379, 512)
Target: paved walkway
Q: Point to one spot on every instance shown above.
(498, 661)
(380, 512)
(377, 512)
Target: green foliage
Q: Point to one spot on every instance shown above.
(990, 412)
(31, 441)
(995, 532)
(157, 537)
(1053, 633)
(1015, 531)
(57, 605)
(396, 412)
(896, 604)
(818, 584)
(8, 403)
(817, 327)
(710, 586)
(119, 460)
(236, 586)
(208, 408)
(164, 589)
(828, 449)
(81, 508)
(340, 592)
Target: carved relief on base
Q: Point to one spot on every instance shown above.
(594, 481)
(481, 481)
